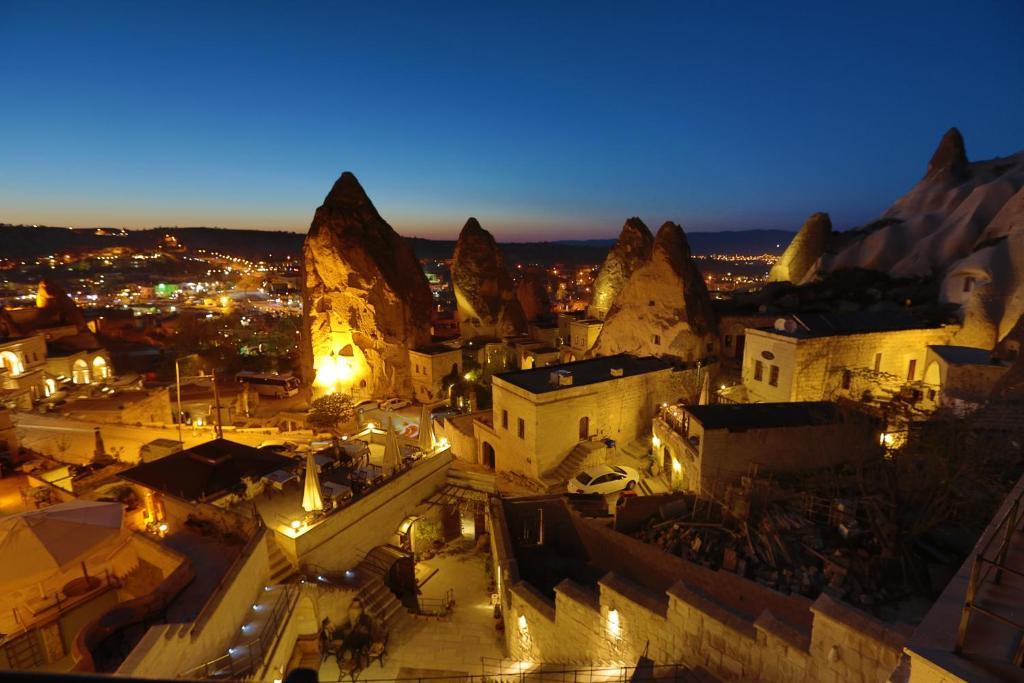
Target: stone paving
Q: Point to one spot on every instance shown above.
(456, 644)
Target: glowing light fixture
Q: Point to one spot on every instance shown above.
(614, 626)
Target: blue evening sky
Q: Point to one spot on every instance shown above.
(546, 119)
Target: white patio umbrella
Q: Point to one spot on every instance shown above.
(426, 443)
(311, 498)
(50, 540)
(705, 390)
(392, 455)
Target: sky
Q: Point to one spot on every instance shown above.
(545, 120)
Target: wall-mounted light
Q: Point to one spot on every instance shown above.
(614, 626)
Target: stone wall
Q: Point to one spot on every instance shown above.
(736, 629)
(340, 540)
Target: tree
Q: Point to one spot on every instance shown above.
(327, 412)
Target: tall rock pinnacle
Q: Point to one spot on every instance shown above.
(664, 309)
(484, 292)
(632, 250)
(950, 157)
(806, 248)
(365, 299)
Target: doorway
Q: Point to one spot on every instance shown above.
(584, 428)
(487, 455)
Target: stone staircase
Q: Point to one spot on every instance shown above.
(380, 603)
(280, 567)
(465, 477)
(554, 479)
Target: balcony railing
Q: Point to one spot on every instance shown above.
(990, 563)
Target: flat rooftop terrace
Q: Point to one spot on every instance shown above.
(743, 416)
(584, 372)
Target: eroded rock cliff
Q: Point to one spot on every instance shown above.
(484, 292)
(664, 309)
(365, 299)
(803, 252)
(631, 251)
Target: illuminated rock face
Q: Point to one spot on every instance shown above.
(484, 292)
(805, 249)
(365, 299)
(533, 296)
(632, 250)
(57, 304)
(664, 309)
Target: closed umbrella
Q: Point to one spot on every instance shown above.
(426, 443)
(52, 539)
(100, 450)
(311, 498)
(391, 452)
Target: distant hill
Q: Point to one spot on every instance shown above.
(28, 243)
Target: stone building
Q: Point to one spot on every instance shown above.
(22, 370)
(822, 356)
(960, 378)
(541, 415)
(583, 334)
(706, 447)
(432, 366)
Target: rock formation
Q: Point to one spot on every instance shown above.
(365, 299)
(632, 250)
(484, 291)
(957, 224)
(804, 251)
(664, 308)
(533, 296)
(58, 306)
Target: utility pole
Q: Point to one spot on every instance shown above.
(219, 431)
(177, 382)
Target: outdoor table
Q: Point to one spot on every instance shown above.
(278, 478)
(334, 491)
(369, 473)
(323, 460)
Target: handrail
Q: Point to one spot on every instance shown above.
(255, 650)
(982, 568)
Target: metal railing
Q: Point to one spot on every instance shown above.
(985, 561)
(243, 660)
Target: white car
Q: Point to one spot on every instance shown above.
(394, 404)
(604, 479)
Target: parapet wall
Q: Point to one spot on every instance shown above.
(682, 613)
(621, 620)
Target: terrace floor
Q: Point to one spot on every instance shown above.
(431, 647)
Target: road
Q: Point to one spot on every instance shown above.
(73, 441)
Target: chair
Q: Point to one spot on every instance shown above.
(378, 649)
(348, 666)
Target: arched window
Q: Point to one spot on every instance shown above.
(10, 362)
(80, 372)
(100, 369)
